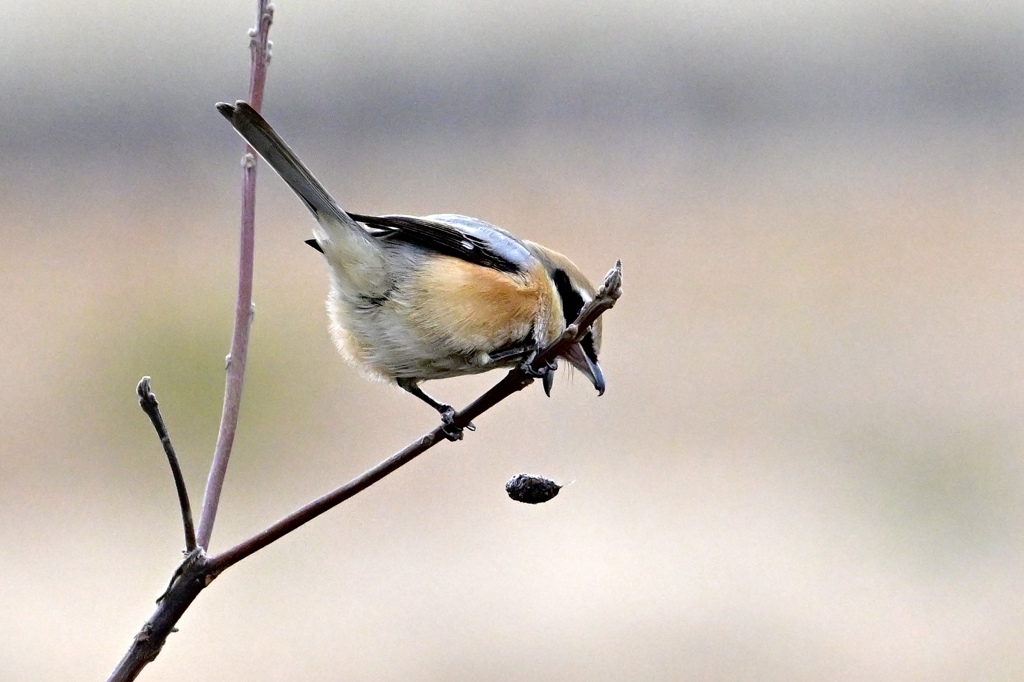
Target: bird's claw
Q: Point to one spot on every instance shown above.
(546, 373)
(538, 372)
(448, 427)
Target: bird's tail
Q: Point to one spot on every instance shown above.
(351, 251)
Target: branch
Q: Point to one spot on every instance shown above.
(197, 571)
(260, 52)
(190, 579)
(193, 575)
(147, 400)
(514, 381)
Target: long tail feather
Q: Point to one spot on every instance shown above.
(356, 258)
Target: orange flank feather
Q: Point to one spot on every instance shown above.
(472, 308)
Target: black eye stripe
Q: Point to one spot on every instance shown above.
(572, 302)
(588, 346)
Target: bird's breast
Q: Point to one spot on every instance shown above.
(469, 308)
(445, 318)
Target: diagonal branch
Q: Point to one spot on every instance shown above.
(198, 570)
(514, 381)
(147, 399)
(244, 310)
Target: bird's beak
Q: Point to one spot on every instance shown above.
(578, 359)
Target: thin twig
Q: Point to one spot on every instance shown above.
(147, 400)
(514, 381)
(260, 53)
(193, 575)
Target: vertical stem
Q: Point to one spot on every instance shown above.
(259, 47)
(260, 53)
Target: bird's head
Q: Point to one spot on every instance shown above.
(574, 291)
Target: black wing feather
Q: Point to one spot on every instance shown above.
(469, 239)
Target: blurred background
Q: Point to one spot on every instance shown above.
(808, 462)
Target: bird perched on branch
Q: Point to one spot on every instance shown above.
(419, 298)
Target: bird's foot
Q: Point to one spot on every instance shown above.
(546, 373)
(448, 427)
(528, 369)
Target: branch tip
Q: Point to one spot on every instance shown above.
(612, 286)
(145, 392)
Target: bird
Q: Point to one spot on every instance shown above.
(414, 299)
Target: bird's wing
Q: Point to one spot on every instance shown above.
(469, 239)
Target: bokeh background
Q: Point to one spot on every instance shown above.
(808, 462)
